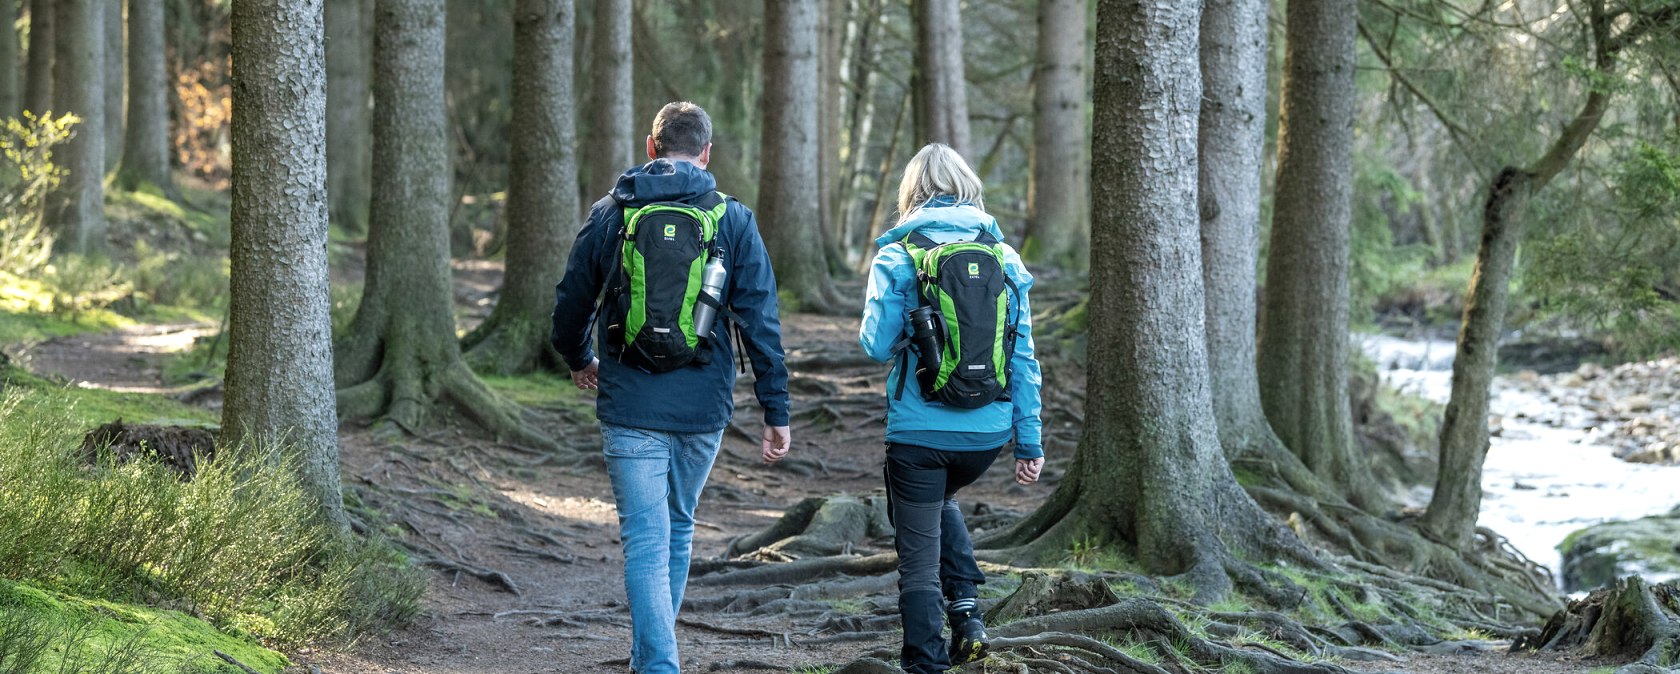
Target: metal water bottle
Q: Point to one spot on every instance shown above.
(711, 283)
(924, 334)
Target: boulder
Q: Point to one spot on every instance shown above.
(1596, 556)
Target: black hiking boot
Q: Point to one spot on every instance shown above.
(969, 642)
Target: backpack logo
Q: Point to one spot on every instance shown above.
(670, 231)
(974, 270)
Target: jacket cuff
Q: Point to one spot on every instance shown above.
(1028, 451)
(582, 361)
(776, 417)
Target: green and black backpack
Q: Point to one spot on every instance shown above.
(966, 285)
(651, 294)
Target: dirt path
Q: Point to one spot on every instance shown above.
(512, 519)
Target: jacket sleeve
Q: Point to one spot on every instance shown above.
(886, 304)
(575, 295)
(1025, 379)
(752, 296)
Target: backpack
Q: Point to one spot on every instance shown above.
(966, 285)
(657, 281)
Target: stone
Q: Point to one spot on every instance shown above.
(1597, 555)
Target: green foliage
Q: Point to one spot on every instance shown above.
(1618, 268)
(28, 175)
(1093, 555)
(237, 544)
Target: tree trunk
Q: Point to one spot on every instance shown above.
(10, 104)
(1149, 473)
(349, 58)
(941, 91)
(612, 144)
(542, 194)
(789, 164)
(279, 369)
(145, 158)
(113, 28)
(1457, 499)
(1231, 143)
(1059, 194)
(401, 355)
(830, 64)
(37, 97)
(76, 209)
(1303, 355)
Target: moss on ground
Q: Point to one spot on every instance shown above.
(541, 390)
(91, 407)
(166, 634)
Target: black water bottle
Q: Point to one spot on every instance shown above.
(924, 335)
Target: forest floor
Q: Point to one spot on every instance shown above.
(536, 582)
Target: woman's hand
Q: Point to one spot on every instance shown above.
(1026, 470)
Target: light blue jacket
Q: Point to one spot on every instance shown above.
(892, 294)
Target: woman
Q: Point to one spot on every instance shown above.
(950, 413)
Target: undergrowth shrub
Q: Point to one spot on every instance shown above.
(237, 544)
(26, 176)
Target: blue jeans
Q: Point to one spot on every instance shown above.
(656, 479)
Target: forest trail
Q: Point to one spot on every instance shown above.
(524, 556)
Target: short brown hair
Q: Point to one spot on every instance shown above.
(681, 128)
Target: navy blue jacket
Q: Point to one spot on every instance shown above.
(690, 399)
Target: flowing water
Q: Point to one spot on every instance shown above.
(1547, 473)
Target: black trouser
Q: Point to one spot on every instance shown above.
(935, 555)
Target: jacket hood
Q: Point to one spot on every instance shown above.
(943, 214)
(663, 180)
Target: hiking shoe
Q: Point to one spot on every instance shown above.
(968, 640)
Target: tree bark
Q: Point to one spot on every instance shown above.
(542, 194)
(1149, 473)
(37, 97)
(612, 144)
(145, 158)
(10, 103)
(279, 370)
(1456, 501)
(401, 356)
(1303, 353)
(1231, 146)
(76, 209)
(113, 29)
(830, 64)
(1059, 194)
(789, 165)
(349, 60)
(941, 91)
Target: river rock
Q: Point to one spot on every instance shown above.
(1597, 555)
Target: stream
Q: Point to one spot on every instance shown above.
(1548, 471)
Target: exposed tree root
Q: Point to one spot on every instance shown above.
(1631, 621)
(801, 571)
(507, 345)
(405, 397)
(491, 576)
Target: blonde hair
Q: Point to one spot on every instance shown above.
(936, 170)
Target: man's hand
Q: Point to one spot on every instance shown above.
(585, 378)
(1026, 470)
(777, 440)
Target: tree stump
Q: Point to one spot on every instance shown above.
(178, 447)
(818, 527)
(1043, 593)
(1629, 621)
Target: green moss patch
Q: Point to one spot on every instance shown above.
(86, 627)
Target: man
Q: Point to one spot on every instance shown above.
(661, 431)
